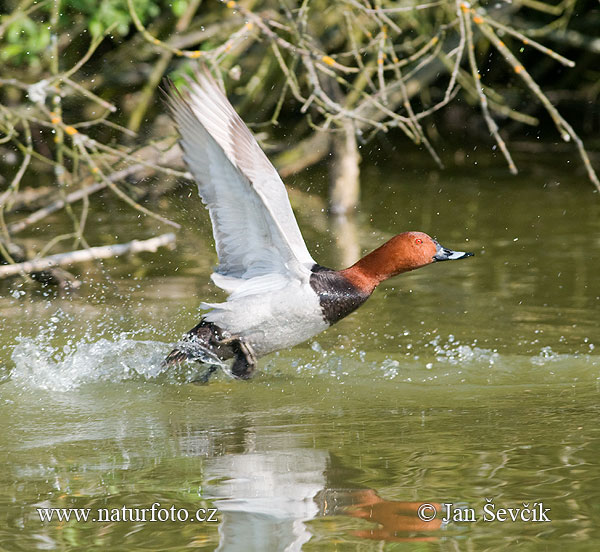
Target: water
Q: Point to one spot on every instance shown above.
(457, 383)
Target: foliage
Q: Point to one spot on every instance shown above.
(78, 75)
(27, 34)
(25, 41)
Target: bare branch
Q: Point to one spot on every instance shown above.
(84, 255)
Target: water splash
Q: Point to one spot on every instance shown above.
(41, 365)
(454, 352)
(447, 361)
(60, 358)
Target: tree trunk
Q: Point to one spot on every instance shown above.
(344, 185)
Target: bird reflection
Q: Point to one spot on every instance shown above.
(396, 520)
(267, 498)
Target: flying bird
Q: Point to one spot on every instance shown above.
(278, 295)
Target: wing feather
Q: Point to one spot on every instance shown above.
(254, 227)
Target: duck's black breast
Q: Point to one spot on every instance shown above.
(338, 296)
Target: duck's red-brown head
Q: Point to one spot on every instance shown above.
(404, 252)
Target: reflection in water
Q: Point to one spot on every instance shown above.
(294, 472)
(396, 519)
(267, 498)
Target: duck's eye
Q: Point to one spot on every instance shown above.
(418, 241)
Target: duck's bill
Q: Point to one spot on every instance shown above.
(444, 254)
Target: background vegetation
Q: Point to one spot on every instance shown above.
(80, 116)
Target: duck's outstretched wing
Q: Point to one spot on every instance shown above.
(254, 227)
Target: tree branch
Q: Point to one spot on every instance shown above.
(83, 255)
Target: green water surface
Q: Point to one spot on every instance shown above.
(457, 383)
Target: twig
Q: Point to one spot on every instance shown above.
(83, 192)
(530, 42)
(160, 66)
(85, 92)
(119, 193)
(564, 128)
(462, 10)
(57, 205)
(83, 60)
(84, 255)
(14, 185)
(396, 10)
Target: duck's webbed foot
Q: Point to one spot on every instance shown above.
(244, 363)
(209, 345)
(199, 354)
(201, 345)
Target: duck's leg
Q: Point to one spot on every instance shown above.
(244, 359)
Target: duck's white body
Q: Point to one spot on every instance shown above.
(272, 320)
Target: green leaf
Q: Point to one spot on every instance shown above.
(96, 28)
(179, 7)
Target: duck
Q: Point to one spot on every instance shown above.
(278, 295)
